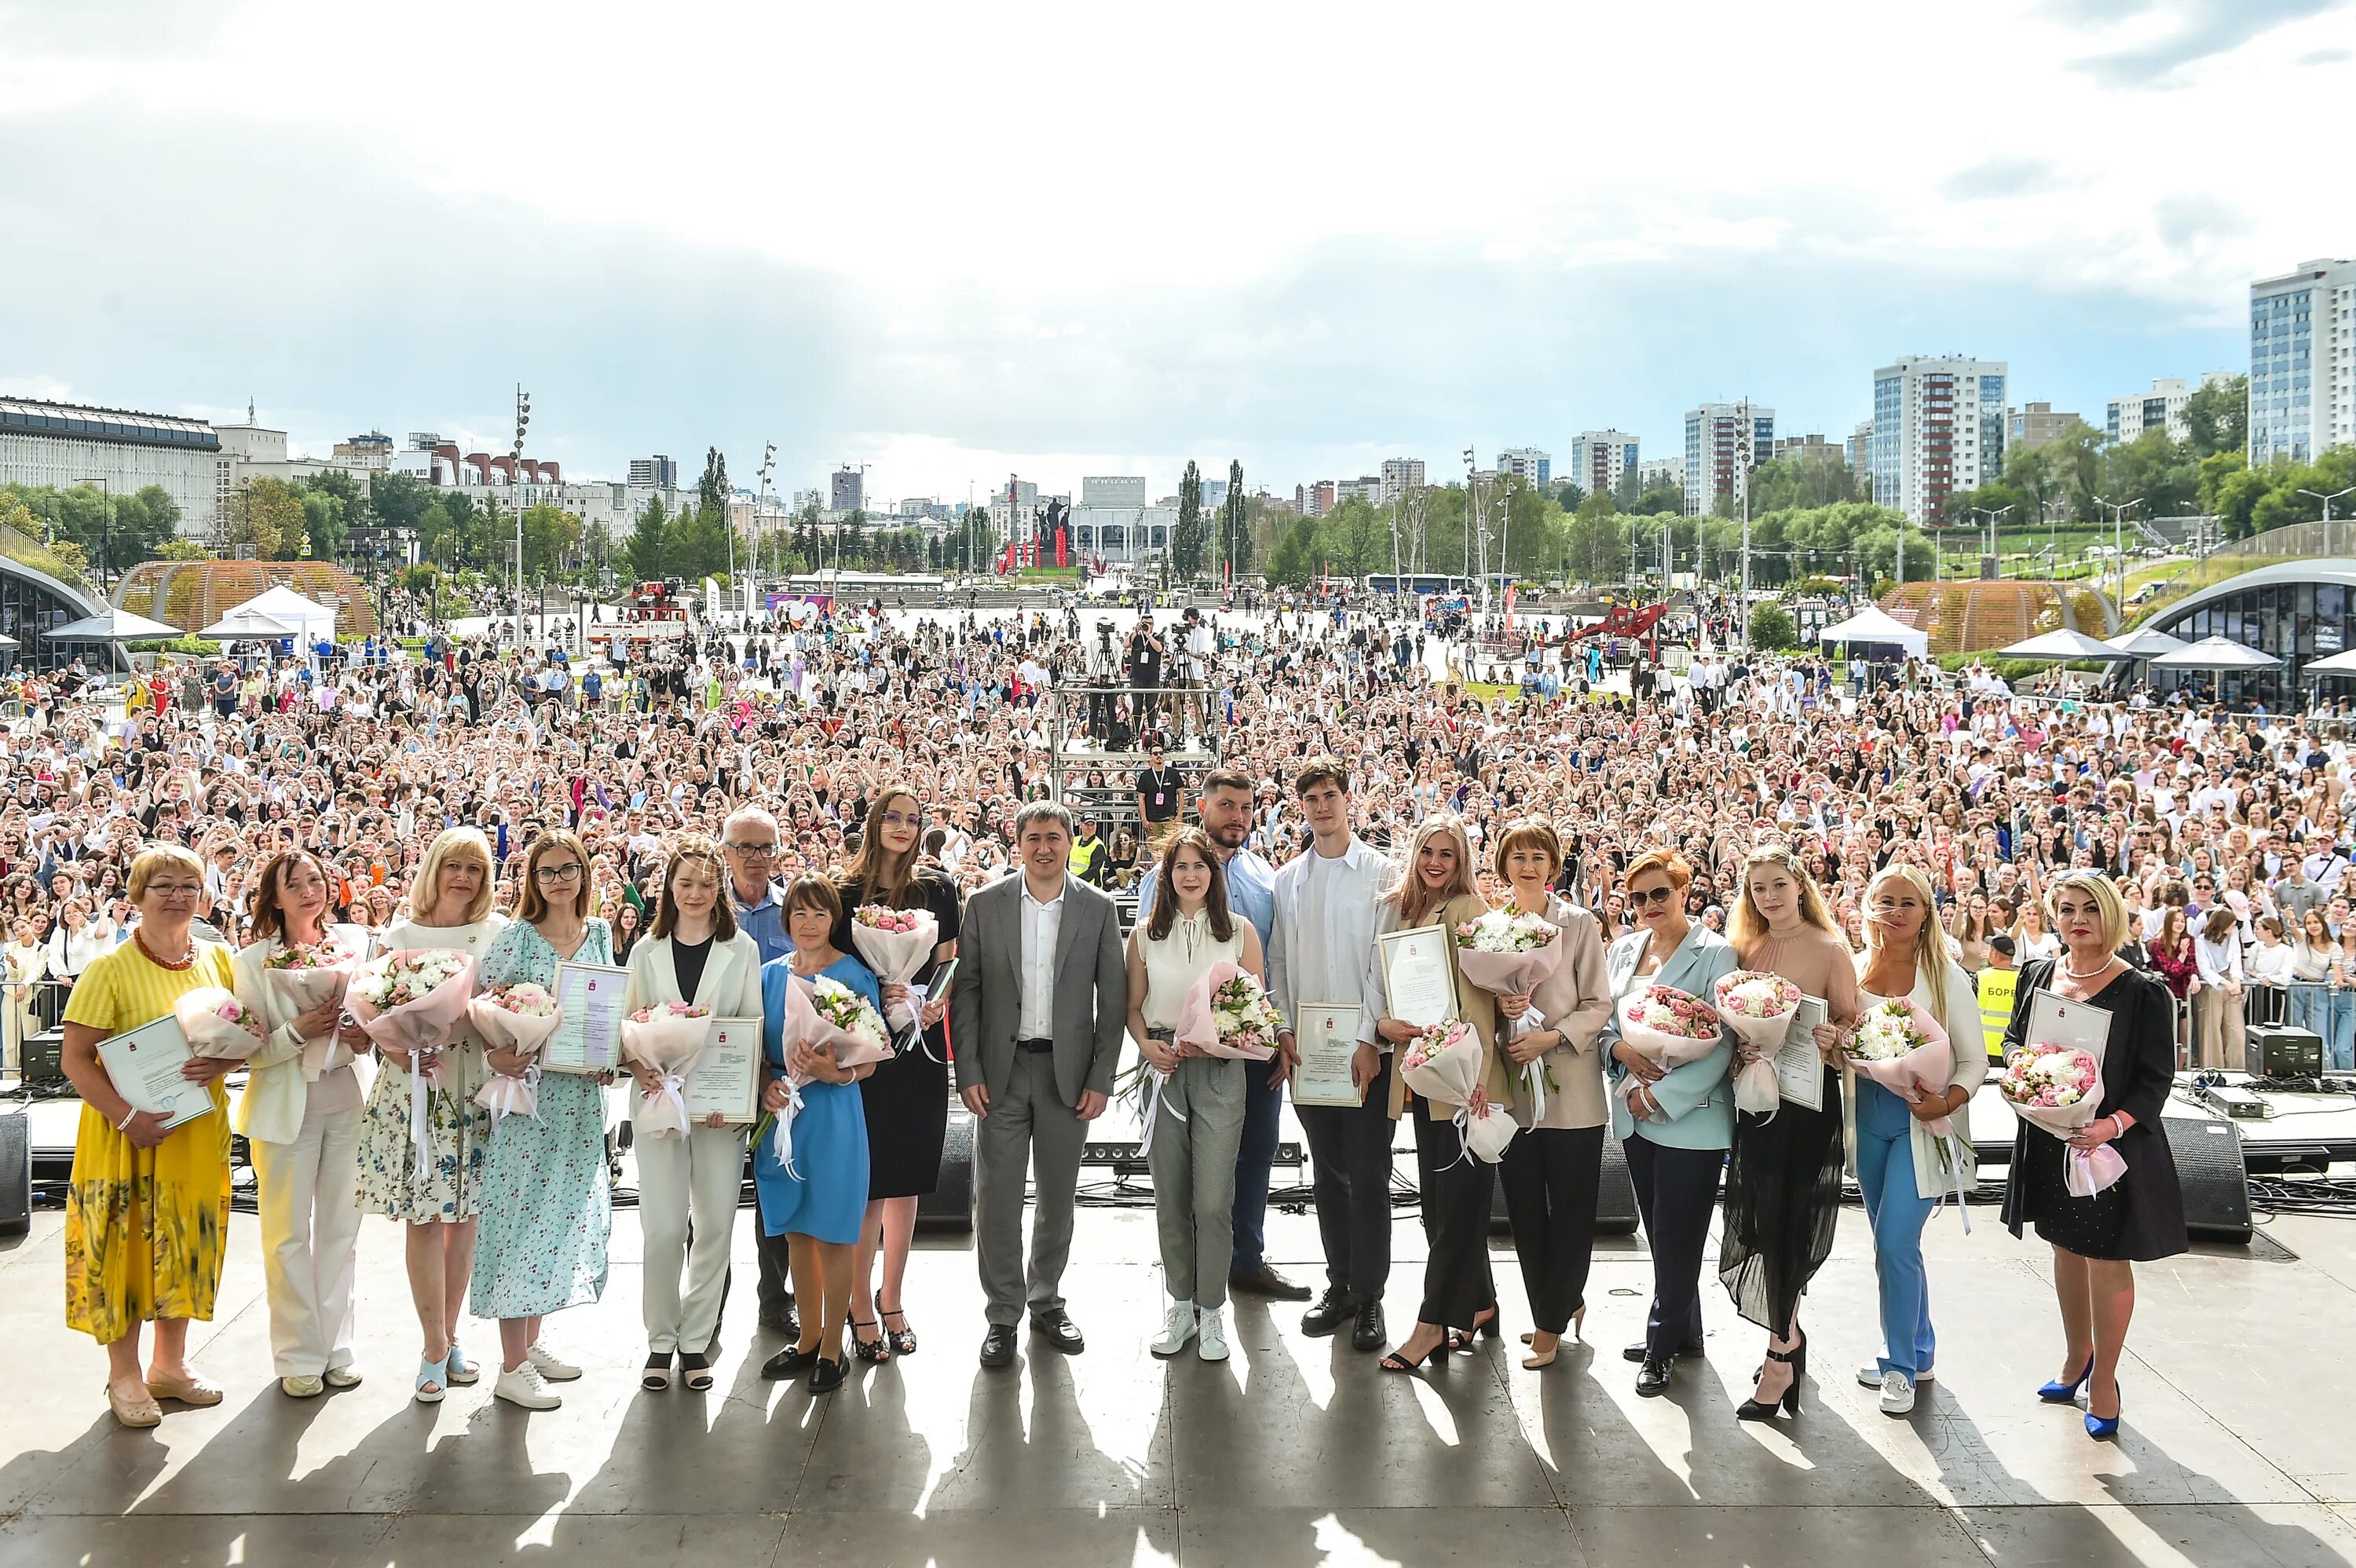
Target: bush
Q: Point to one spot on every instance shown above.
(1772, 628)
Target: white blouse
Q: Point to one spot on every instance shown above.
(1174, 964)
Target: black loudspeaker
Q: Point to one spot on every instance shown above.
(949, 1205)
(1615, 1196)
(2213, 1175)
(15, 1175)
(2280, 1051)
(44, 1057)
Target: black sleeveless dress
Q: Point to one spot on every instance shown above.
(906, 1099)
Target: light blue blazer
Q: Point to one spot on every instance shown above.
(1697, 1097)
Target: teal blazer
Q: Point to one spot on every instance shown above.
(1697, 1097)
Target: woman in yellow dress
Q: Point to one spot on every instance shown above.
(148, 1215)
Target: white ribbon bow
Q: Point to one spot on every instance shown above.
(1533, 1072)
(424, 1076)
(782, 1142)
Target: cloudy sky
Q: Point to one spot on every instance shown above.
(955, 242)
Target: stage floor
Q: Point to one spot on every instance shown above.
(2240, 1405)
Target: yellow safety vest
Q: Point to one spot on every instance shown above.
(1997, 987)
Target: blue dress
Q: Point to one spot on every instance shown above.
(824, 1196)
(545, 1212)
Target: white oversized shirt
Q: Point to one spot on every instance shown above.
(1042, 925)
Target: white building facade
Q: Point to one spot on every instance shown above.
(2303, 362)
(1526, 462)
(1725, 444)
(122, 452)
(1938, 431)
(1600, 458)
(2160, 409)
(1399, 475)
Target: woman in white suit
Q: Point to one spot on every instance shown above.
(301, 1114)
(694, 954)
(1896, 1161)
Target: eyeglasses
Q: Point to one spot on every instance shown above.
(549, 876)
(1651, 896)
(903, 819)
(760, 851)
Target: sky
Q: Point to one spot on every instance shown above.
(956, 243)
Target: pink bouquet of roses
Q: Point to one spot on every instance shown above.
(1759, 1008)
(1443, 1063)
(667, 1037)
(218, 1025)
(895, 943)
(1226, 1013)
(2060, 1089)
(415, 1000)
(798, 1023)
(1669, 1025)
(313, 973)
(1901, 1047)
(519, 1017)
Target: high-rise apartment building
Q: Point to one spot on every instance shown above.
(2038, 424)
(1367, 487)
(1654, 471)
(1725, 444)
(1599, 459)
(1401, 475)
(1861, 449)
(656, 473)
(1526, 462)
(1938, 431)
(2303, 362)
(846, 491)
(2161, 409)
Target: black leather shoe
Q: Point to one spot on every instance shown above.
(825, 1376)
(1653, 1378)
(1690, 1350)
(1332, 1309)
(1057, 1328)
(788, 1363)
(998, 1346)
(1369, 1334)
(1265, 1281)
(782, 1320)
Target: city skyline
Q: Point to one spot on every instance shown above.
(949, 293)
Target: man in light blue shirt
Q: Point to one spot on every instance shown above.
(749, 838)
(1224, 807)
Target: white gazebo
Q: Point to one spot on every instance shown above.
(309, 620)
(1871, 626)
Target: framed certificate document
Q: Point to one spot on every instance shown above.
(1799, 1065)
(589, 1039)
(727, 1077)
(1328, 1039)
(2056, 1020)
(143, 1064)
(1418, 983)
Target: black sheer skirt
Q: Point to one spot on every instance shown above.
(1783, 1199)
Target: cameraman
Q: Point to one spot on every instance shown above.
(1145, 655)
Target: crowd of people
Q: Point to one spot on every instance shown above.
(709, 816)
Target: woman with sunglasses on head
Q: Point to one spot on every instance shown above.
(905, 1100)
(546, 1212)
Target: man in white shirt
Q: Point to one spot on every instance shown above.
(1326, 906)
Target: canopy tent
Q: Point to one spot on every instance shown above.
(2146, 644)
(6, 642)
(1871, 625)
(242, 624)
(2064, 643)
(311, 622)
(112, 625)
(2335, 664)
(2220, 653)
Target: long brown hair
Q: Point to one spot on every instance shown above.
(870, 871)
(703, 851)
(533, 909)
(1165, 892)
(269, 916)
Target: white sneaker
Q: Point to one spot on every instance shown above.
(342, 1377)
(302, 1386)
(1212, 1346)
(1176, 1330)
(523, 1387)
(549, 1365)
(1869, 1375)
(1897, 1394)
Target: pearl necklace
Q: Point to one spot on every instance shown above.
(2074, 975)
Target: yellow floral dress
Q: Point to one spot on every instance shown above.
(145, 1229)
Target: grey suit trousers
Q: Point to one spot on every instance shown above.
(1028, 1127)
(1193, 1167)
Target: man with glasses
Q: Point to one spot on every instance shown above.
(749, 838)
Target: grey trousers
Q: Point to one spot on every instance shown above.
(1193, 1167)
(1028, 1127)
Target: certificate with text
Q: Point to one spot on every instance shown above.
(1799, 1064)
(1327, 1038)
(143, 1064)
(1419, 980)
(727, 1077)
(589, 1038)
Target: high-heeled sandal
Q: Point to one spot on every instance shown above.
(432, 1380)
(1397, 1361)
(695, 1371)
(904, 1339)
(656, 1376)
(873, 1351)
(1482, 1329)
(1797, 1360)
(463, 1373)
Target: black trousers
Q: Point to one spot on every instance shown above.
(776, 1275)
(1675, 1190)
(1459, 1188)
(1350, 1172)
(1552, 1176)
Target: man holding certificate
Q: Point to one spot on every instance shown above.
(1327, 903)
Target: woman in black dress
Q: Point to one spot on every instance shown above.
(2097, 1240)
(907, 1100)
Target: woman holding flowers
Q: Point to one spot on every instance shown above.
(1902, 1164)
(546, 1212)
(1784, 1178)
(1674, 1122)
(2097, 1240)
(1460, 1297)
(694, 956)
(906, 1102)
(1198, 1118)
(147, 1208)
(1552, 1169)
(818, 1202)
(450, 908)
(301, 1117)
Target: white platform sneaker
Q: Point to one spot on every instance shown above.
(1213, 1344)
(1177, 1330)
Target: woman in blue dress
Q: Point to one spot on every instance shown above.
(819, 1204)
(545, 1214)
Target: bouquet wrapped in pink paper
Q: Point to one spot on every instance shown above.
(2060, 1089)
(1759, 1008)
(1486, 1129)
(797, 1023)
(841, 1024)
(1512, 954)
(1444, 1063)
(519, 1018)
(1225, 1013)
(218, 1025)
(1670, 1027)
(1901, 1047)
(415, 1000)
(667, 1037)
(311, 974)
(895, 943)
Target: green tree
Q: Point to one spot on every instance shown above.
(400, 500)
(1772, 628)
(267, 518)
(1186, 539)
(650, 551)
(696, 544)
(711, 490)
(323, 522)
(2217, 418)
(1235, 526)
(551, 535)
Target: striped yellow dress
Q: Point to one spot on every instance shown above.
(145, 1229)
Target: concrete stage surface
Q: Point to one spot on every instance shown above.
(2239, 1448)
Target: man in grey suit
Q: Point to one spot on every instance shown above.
(1036, 1011)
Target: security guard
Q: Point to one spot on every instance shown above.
(1998, 982)
(1088, 860)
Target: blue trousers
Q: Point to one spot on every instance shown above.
(1262, 1104)
(2340, 1041)
(1885, 1169)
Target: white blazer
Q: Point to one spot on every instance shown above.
(1349, 931)
(276, 1092)
(1966, 1047)
(731, 986)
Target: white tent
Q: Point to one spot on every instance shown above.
(242, 624)
(113, 626)
(1871, 625)
(2064, 643)
(2146, 644)
(2220, 653)
(281, 603)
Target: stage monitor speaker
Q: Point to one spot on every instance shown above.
(44, 1057)
(1615, 1194)
(2213, 1175)
(949, 1205)
(2281, 1050)
(16, 1174)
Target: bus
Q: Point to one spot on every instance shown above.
(1421, 584)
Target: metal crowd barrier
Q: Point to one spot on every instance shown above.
(2325, 1009)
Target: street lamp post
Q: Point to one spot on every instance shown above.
(2327, 501)
(106, 546)
(1988, 522)
(514, 466)
(2118, 510)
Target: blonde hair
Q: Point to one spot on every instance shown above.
(2105, 894)
(1745, 924)
(1412, 900)
(1930, 945)
(424, 895)
(160, 857)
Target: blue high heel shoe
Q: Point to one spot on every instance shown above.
(2065, 1393)
(2101, 1430)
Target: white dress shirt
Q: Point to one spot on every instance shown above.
(1042, 925)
